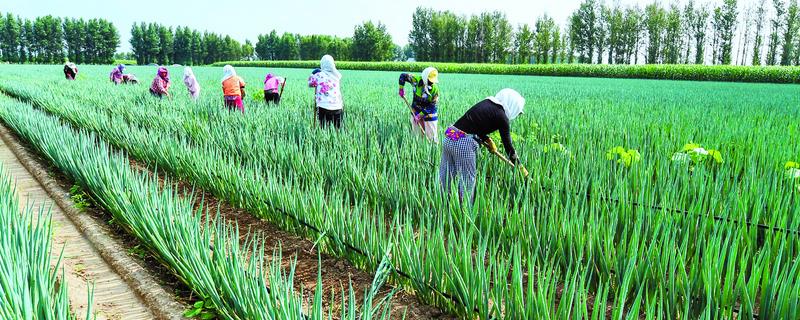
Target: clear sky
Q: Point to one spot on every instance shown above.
(245, 19)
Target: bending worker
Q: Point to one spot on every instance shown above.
(426, 96)
(273, 87)
(191, 83)
(160, 86)
(327, 93)
(232, 89)
(462, 139)
(70, 71)
(129, 78)
(117, 74)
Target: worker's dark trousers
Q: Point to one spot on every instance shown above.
(327, 117)
(272, 96)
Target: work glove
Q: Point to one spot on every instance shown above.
(514, 159)
(418, 117)
(490, 145)
(402, 93)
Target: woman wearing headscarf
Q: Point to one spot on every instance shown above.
(462, 139)
(116, 75)
(271, 88)
(232, 88)
(328, 94)
(426, 96)
(160, 85)
(191, 83)
(70, 70)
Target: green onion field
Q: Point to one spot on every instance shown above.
(647, 199)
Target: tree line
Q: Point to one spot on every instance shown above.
(370, 42)
(50, 39)
(766, 32)
(290, 46)
(156, 43)
(617, 35)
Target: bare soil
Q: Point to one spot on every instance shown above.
(337, 273)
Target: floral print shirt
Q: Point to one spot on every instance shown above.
(159, 86)
(328, 92)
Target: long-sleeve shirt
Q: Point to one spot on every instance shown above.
(328, 94)
(424, 101)
(70, 72)
(192, 86)
(116, 76)
(159, 86)
(129, 78)
(273, 84)
(233, 86)
(484, 118)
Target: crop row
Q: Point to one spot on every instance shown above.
(617, 251)
(30, 287)
(726, 190)
(731, 190)
(235, 281)
(766, 74)
(716, 176)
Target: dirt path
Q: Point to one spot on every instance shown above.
(113, 297)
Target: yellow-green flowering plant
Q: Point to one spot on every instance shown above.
(283, 170)
(792, 170)
(693, 154)
(514, 137)
(623, 156)
(555, 147)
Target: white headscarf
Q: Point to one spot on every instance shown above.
(425, 74)
(327, 65)
(513, 103)
(187, 72)
(227, 72)
(189, 80)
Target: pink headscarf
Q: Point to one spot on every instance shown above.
(271, 82)
(163, 73)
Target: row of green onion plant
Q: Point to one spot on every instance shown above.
(30, 286)
(744, 172)
(548, 229)
(236, 279)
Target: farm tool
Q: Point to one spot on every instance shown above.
(280, 95)
(313, 112)
(504, 159)
(410, 109)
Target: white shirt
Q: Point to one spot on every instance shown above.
(328, 92)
